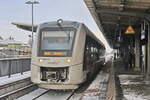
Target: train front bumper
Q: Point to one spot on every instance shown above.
(71, 77)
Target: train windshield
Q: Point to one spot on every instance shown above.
(57, 40)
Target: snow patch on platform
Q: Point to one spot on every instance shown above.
(14, 77)
(134, 87)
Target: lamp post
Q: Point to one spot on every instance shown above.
(32, 3)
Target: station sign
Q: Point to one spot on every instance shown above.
(130, 30)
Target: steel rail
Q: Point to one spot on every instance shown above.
(19, 92)
(14, 83)
(40, 95)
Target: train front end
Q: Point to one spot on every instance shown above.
(53, 64)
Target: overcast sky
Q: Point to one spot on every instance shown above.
(47, 10)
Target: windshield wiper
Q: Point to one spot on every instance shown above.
(68, 34)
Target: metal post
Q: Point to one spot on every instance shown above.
(32, 25)
(148, 67)
(137, 52)
(9, 65)
(32, 4)
(22, 67)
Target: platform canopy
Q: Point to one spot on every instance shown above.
(115, 14)
(25, 26)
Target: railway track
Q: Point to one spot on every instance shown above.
(97, 90)
(14, 85)
(55, 95)
(16, 89)
(60, 94)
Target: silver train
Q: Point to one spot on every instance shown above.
(64, 55)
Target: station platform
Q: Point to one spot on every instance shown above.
(131, 84)
(15, 77)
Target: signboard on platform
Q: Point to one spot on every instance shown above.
(130, 30)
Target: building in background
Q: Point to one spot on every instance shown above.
(10, 48)
(12, 43)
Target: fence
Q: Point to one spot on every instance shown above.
(9, 66)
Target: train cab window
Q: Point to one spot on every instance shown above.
(61, 41)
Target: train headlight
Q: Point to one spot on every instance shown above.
(68, 60)
(40, 60)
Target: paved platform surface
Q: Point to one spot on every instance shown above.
(133, 84)
(134, 87)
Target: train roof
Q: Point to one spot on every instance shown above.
(93, 36)
(74, 24)
(63, 24)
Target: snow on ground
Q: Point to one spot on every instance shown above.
(50, 95)
(14, 77)
(94, 91)
(32, 95)
(133, 96)
(128, 79)
(55, 95)
(134, 87)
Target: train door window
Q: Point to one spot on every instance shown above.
(85, 55)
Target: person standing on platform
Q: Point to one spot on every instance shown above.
(126, 60)
(130, 59)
